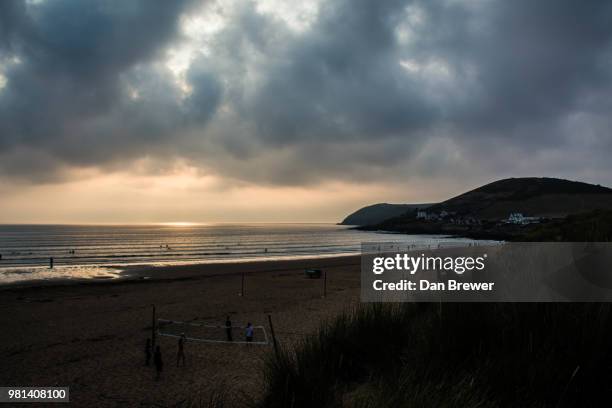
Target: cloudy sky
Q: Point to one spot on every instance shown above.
(230, 110)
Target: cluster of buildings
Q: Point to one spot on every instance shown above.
(432, 216)
(514, 218)
(443, 215)
(519, 218)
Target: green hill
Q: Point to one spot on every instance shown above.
(533, 196)
(554, 201)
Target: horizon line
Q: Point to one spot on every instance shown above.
(162, 223)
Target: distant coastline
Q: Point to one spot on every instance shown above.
(515, 209)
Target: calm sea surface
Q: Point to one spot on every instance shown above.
(81, 251)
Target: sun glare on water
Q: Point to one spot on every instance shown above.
(179, 224)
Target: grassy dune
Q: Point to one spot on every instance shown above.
(449, 355)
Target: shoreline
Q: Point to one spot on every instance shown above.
(133, 274)
(445, 230)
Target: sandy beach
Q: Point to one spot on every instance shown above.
(91, 336)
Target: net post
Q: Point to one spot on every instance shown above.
(324, 282)
(153, 324)
(273, 337)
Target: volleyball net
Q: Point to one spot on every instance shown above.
(209, 333)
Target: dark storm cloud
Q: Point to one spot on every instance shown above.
(342, 81)
(69, 66)
(370, 90)
(533, 60)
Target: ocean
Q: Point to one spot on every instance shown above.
(101, 251)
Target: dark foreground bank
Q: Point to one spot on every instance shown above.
(450, 355)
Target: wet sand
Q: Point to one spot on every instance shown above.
(91, 336)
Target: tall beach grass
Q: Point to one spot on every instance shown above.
(450, 355)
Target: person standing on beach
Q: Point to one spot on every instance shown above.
(249, 332)
(148, 352)
(180, 355)
(228, 328)
(51, 263)
(159, 364)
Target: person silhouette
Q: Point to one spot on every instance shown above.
(148, 352)
(249, 332)
(159, 364)
(228, 328)
(180, 354)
